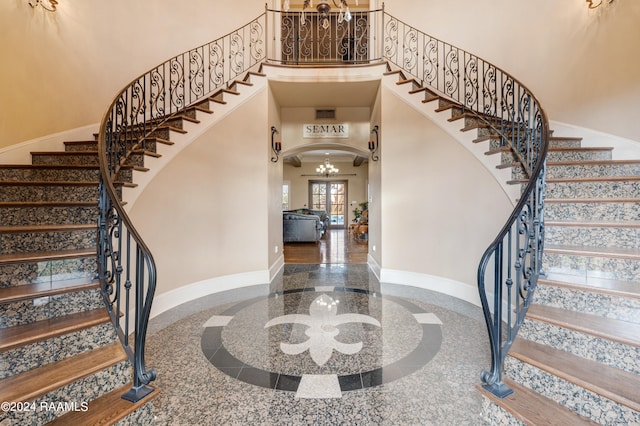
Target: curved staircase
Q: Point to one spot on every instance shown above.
(576, 358)
(62, 361)
(576, 355)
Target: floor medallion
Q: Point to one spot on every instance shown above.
(321, 341)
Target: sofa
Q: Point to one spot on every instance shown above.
(304, 225)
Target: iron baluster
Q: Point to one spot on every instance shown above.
(514, 120)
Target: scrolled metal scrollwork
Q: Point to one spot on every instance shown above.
(511, 265)
(126, 269)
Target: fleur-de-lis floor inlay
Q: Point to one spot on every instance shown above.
(322, 323)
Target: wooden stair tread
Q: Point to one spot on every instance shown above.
(553, 149)
(31, 291)
(593, 224)
(42, 380)
(7, 259)
(21, 335)
(46, 228)
(587, 163)
(596, 285)
(47, 183)
(593, 163)
(609, 252)
(49, 166)
(592, 200)
(88, 152)
(146, 152)
(106, 410)
(531, 408)
(586, 179)
(612, 383)
(611, 329)
(49, 204)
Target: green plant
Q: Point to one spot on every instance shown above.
(357, 212)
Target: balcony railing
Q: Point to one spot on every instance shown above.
(298, 38)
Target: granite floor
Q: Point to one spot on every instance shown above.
(322, 345)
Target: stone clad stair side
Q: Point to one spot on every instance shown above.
(580, 343)
(57, 342)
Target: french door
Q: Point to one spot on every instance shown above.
(332, 197)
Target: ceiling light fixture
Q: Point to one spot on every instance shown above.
(326, 169)
(49, 5)
(323, 9)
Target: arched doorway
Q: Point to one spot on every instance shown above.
(341, 194)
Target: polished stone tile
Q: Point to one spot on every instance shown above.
(217, 363)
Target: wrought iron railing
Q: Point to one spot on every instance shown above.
(126, 267)
(301, 38)
(515, 123)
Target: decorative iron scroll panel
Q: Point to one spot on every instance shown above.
(512, 120)
(304, 40)
(126, 268)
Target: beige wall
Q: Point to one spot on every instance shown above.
(274, 198)
(61, 70)
(581, 65)
(64, 68)
(206, 213)
(375, 186)
(440, 206)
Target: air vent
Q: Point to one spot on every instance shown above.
(325, 113)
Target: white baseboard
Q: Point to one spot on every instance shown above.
(276, 268)
(165, 301)
(374, 265)
(447, 286)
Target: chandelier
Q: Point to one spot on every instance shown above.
(323, 9)
(326, 169)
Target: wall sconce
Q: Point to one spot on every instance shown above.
(276, 147)
(593, 4)
(374, 145)
(49, 5)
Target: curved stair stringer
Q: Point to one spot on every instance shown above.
(222, 103)
(406, 91)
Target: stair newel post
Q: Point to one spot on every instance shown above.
(141, 376)
(493, 379)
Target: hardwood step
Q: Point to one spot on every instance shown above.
(45, 228)
(40, 381)
(617, 385)
(106, 410)
(43, 289)
(13, 337)
(561, 149)
(624, 332)
(591, 179)
(531, 408)
(595, 285)
(592, 224)
(10, 259)
(592, 200)
(607, 252)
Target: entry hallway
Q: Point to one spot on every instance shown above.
(324, 344)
